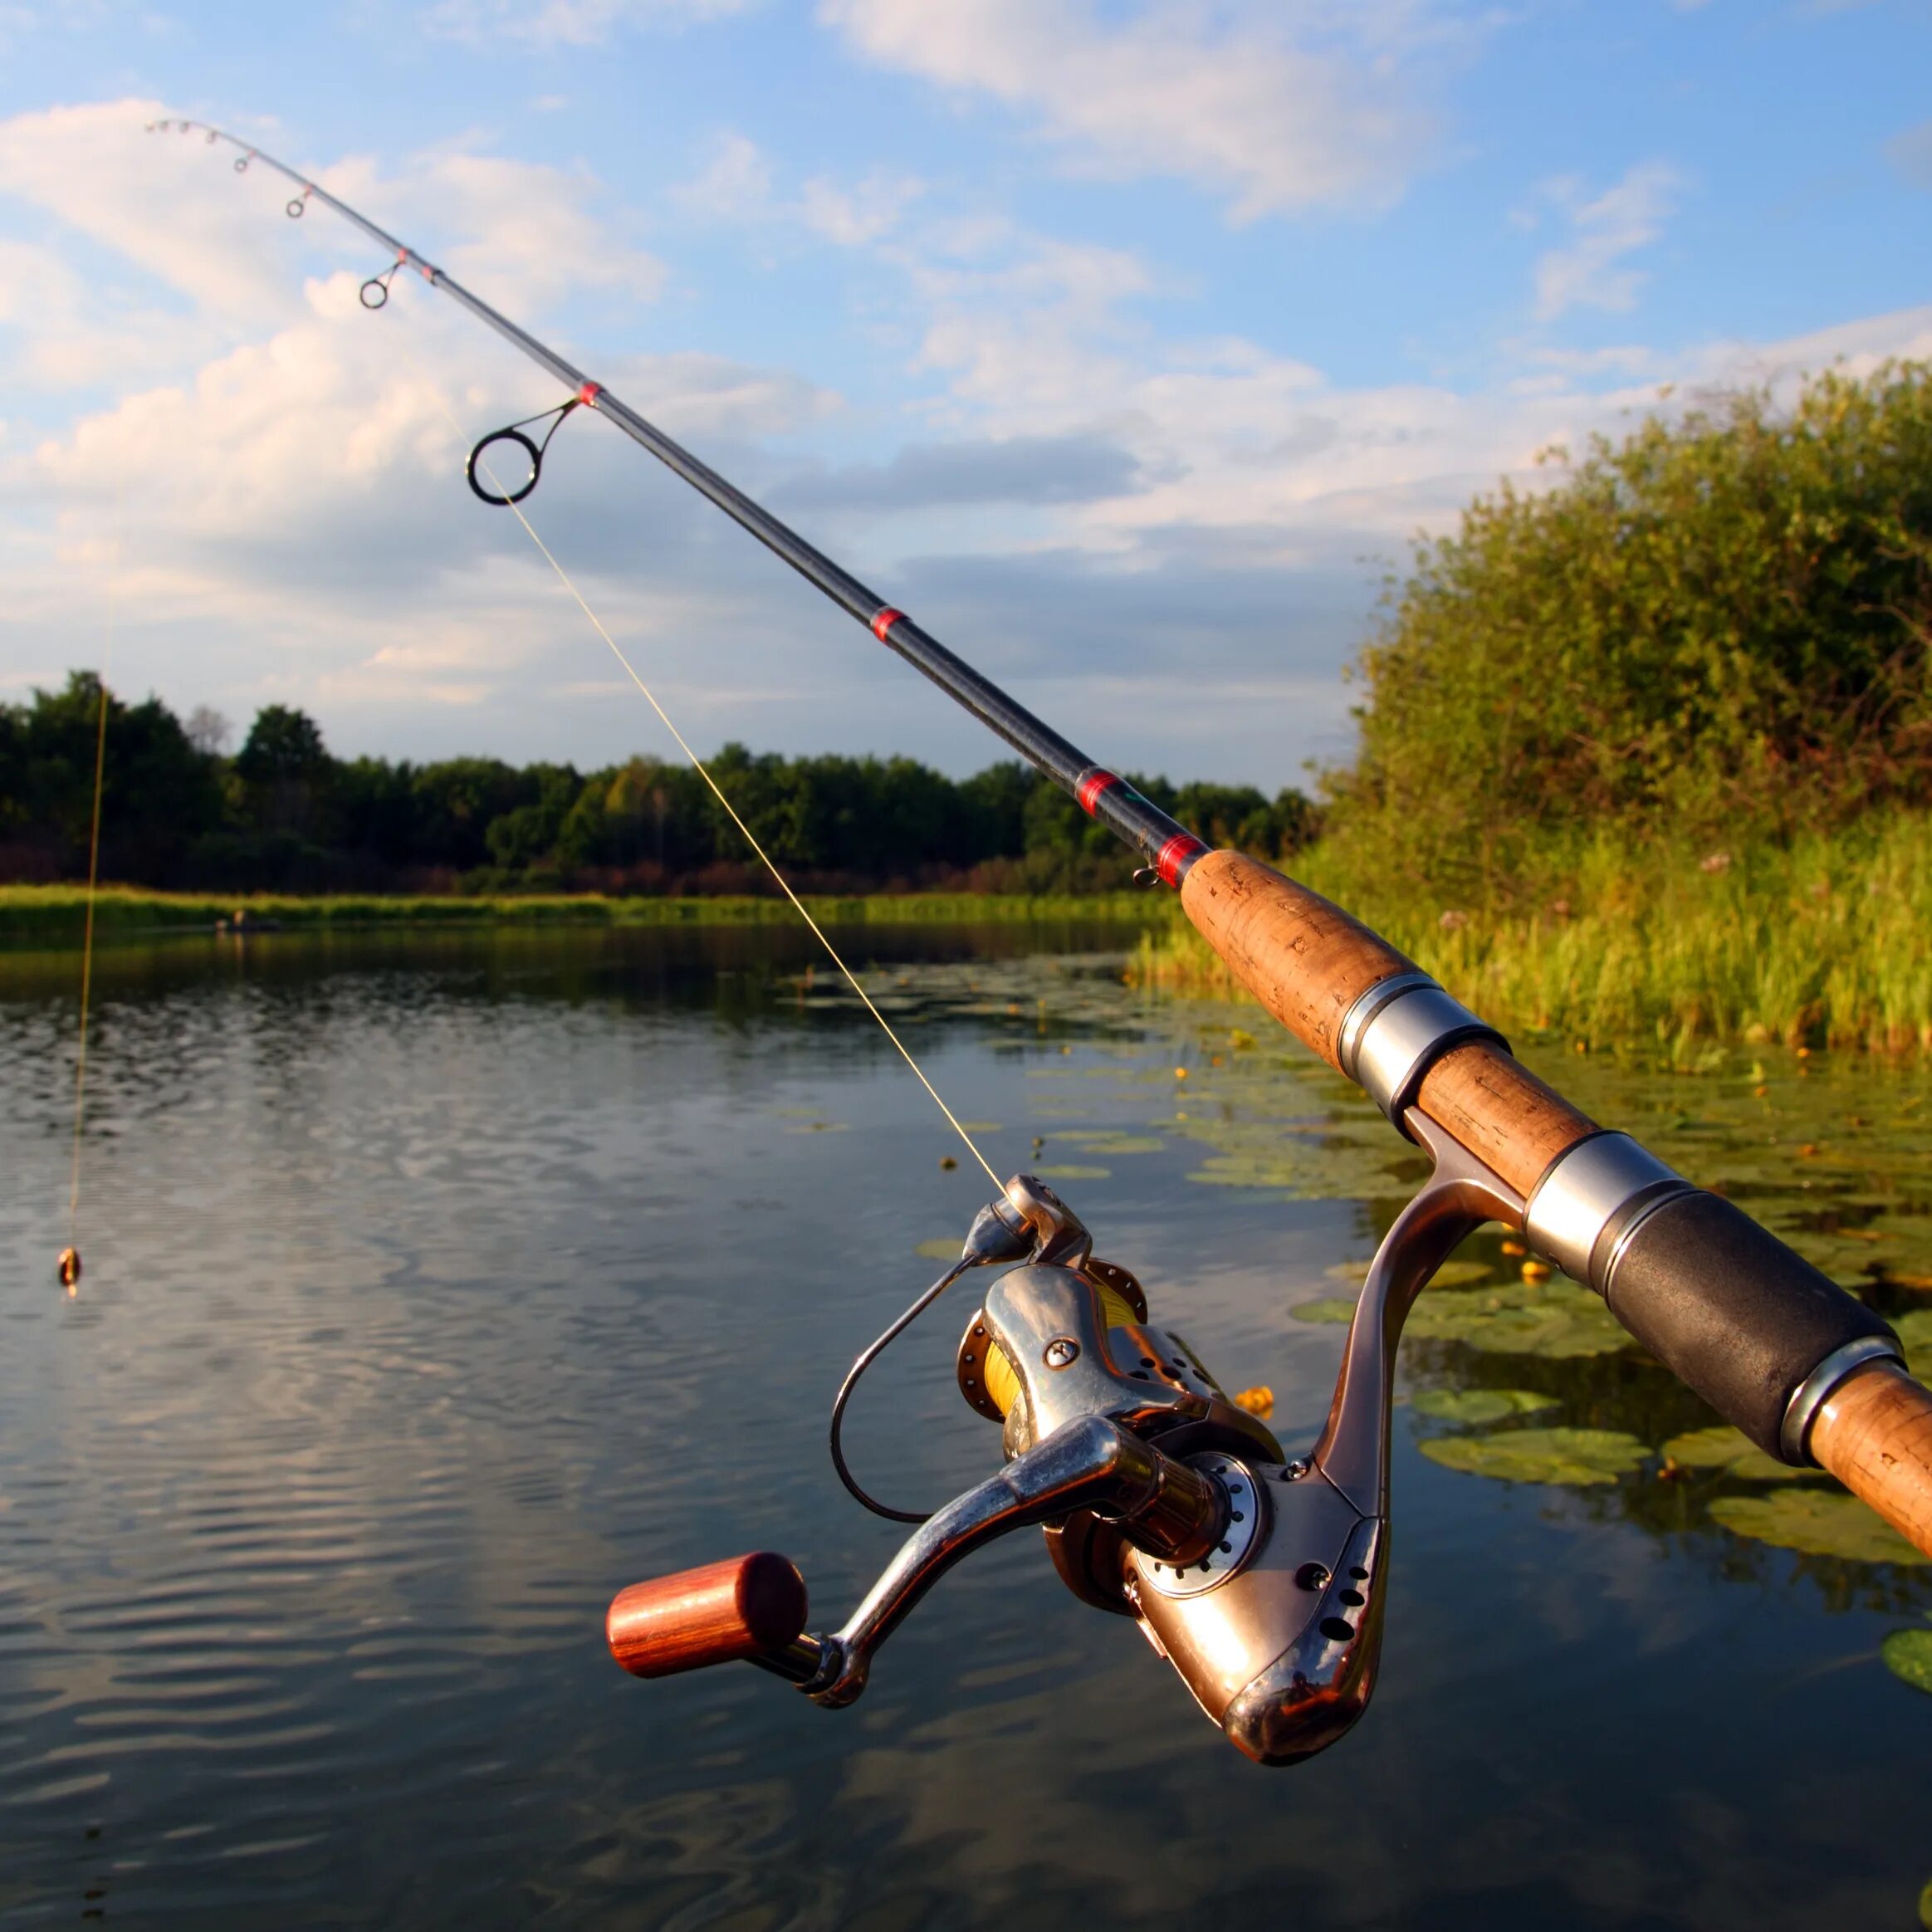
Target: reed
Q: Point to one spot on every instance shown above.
(1826, 940)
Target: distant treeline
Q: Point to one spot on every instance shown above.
(282, 814)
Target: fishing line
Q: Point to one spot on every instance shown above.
(511, 503)
(69, 1266)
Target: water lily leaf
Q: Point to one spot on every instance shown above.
(1348, 1271)
(1577, 1458)
(1462, 1274)
(1479, 1405)
(1728, 1449)
(1116, 1143)
(1915, 1331)
(945, 1249)
(1551, 1318)
(1908, 1654)
(1712, 1448)
(1818, 1525)
(1071, 1173)
(1332, 1308)
(1926, 1906)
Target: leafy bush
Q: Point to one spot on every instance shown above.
(1720, 625)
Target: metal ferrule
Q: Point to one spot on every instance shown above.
(1403, 1034)
(1355, 1021)
(1794, 1438)
(1589, 1188)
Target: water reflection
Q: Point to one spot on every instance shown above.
(437, 1286)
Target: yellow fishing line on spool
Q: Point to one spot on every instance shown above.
(1003, 1384)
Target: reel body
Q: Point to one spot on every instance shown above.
(1260, 1577)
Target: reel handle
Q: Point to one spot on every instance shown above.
(748, 1607)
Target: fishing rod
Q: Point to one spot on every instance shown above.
(1260, 1574)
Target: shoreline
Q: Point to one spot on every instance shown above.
(58, 913)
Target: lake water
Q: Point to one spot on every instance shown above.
(436, 1287)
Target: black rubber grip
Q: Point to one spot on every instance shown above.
(1729, 1309)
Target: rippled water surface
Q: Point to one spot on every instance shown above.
(437, 1287)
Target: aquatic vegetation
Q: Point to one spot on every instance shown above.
(1823, 939)
(1073, 1172)
(1574, 1458)
(1818, 1524)
(1475, 1407)
(1722, 1447)
(1908, 1654)
(1555, 1319)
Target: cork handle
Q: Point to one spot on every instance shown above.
(1308, 962)
(746, 1607)
(1874, 1433)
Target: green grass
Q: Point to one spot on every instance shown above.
(1824, 942)
(58, 912)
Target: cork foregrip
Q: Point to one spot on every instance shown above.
(1308, 962)
(1874, 1433)
(1302, 957)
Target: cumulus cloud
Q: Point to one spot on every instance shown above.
(1276, 107)
(1591, 270)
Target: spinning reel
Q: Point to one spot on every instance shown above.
(1260, 1577)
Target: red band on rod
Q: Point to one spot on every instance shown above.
(884, 622)
(1091, 786)
(1176, 854)
(589, 392)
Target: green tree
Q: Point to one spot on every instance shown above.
(284, 769)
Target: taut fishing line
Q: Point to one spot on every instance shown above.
(513, 504)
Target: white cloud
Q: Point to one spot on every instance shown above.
(1275, 106)
(1591, 270)
(735, 185)
(867, 211)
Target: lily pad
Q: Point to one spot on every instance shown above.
(1729, 1449)
(1576, 1458)
(1331, 1308)
(1915, 1331)
(1908, 1654)
(944, 1249)
(1819, 1526)
(1462, 1274)
(1554, 1320)
(1070, 1173)
(1116, 1143)
(1479, 1405)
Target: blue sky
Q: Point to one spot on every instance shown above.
(1126, 344)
